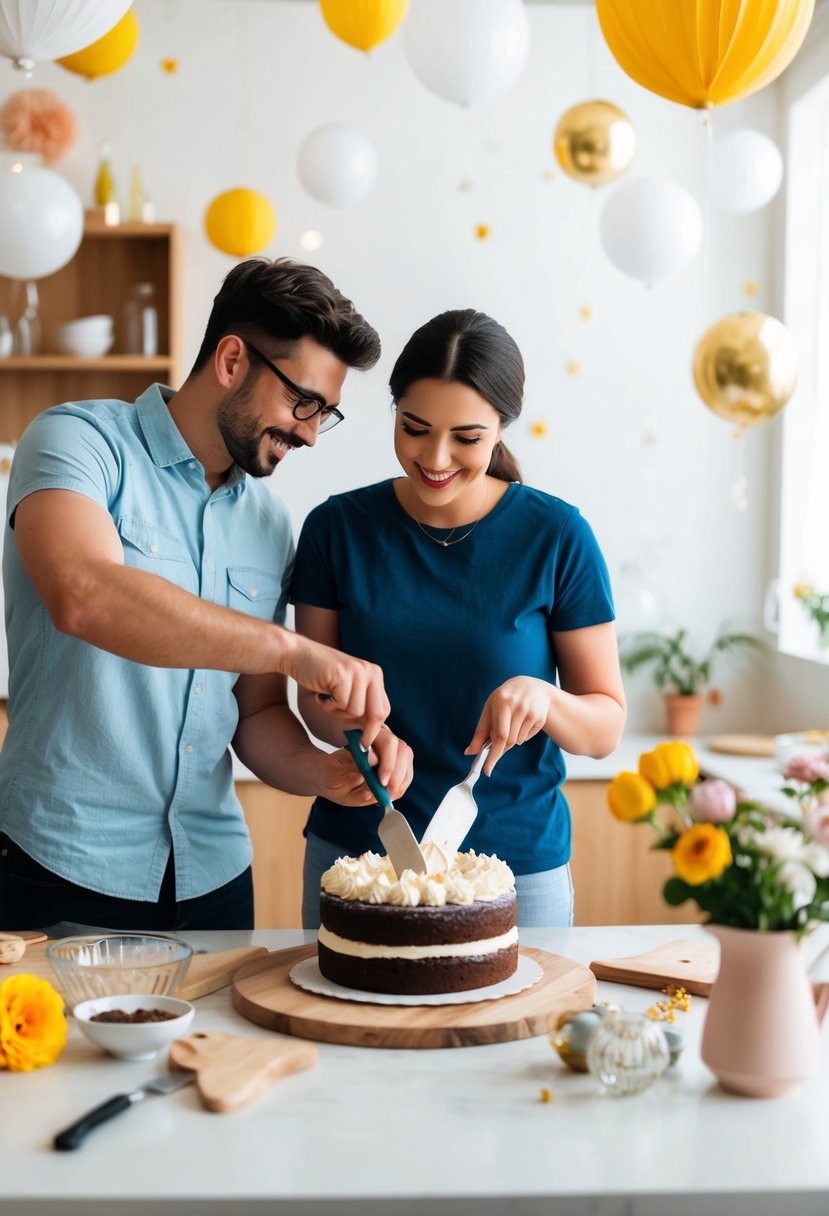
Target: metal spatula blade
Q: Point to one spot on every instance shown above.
(398, 839)
(450, 824)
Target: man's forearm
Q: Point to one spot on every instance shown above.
(273, 744)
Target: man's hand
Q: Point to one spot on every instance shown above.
(344, 783)
(351, 688)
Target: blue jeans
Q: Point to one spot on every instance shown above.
(544, 899)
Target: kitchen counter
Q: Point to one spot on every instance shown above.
(452, 1132)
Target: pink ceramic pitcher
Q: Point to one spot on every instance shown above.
(762, 1033)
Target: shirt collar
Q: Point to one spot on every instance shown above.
(164, 440)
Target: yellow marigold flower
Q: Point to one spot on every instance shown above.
(668, 764)
(32, 1023)
(701, 853)
(630, 797)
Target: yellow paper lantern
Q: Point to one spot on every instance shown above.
(745, 367)
(363, 24)
(109, 53)
(240, 222)
(704, 53)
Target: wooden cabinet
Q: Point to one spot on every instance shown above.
(99, 279)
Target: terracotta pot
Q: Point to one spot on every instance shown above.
(761, 1035)
(683, 712)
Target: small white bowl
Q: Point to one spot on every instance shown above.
(100, 321)
(134, 1040)
(85, 345)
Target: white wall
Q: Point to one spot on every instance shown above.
(629, 441)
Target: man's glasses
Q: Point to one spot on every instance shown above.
(305, 407)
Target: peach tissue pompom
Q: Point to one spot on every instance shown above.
(36, 120)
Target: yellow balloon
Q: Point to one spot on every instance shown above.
(595, 142)
(363, 23)
(704, 53)
(745, 367)
(240, 222)
(108, 54)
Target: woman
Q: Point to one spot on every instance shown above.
(486, 603)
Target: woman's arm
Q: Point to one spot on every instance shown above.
(585, 715)
(394, 767)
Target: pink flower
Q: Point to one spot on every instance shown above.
(817, 823)
(808, 767)
(713, 801)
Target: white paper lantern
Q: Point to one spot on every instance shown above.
(650, 228)
(50, 29)
(41, 221)
(467, 50)
(337, 164)
(746, 171)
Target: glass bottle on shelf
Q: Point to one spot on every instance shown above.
(6, 337)
(142, 208)
(27, 333)
(104, 190)
(142, 320)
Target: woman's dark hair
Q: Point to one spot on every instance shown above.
(472, 349)
(287, 300)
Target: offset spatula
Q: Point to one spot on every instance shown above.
(454, 817)
(398, 839)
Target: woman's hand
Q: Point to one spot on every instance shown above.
(514, 712)
(345, 785)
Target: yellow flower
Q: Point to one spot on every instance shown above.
(668, 764)
(701, 853)
(32, 1023)
(803, 591)
(630, 797)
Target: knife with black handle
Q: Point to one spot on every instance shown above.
(167, 1083)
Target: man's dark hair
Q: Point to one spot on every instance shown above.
(286, 300)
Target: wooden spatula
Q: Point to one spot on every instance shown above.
(231, 1070)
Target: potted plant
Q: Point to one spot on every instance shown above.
(679, 671)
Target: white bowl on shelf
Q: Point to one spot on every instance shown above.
(84, 345)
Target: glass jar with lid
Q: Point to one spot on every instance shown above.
(627, 1051)
(141, 317)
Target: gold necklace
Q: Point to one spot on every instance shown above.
(447, 542)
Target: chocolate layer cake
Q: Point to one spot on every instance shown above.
(450, 930)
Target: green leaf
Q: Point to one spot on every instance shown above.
(675, 892)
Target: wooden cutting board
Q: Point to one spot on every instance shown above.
(206, 973)
(231, 1070)
(741, 745)
(691, 965)
(263, 994)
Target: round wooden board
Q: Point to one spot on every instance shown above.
(741, 745)
(263, 993)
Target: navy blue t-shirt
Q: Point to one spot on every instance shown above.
(448, 626)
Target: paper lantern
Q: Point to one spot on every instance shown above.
(240, 222)
(746, 171)
(109, 53)
(49, 29)
(363, 24)
(704, 53)
(337, 164)
(745, 367)
(41, 221)
(468, 50)
(650, 228)
(595, 142)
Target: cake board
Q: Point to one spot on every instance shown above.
(262, 993)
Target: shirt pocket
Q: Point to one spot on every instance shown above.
(253, 591)
(151, 548)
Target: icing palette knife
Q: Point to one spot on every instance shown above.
(398, 839)
(450, 824)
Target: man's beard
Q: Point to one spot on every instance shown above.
(243, 434)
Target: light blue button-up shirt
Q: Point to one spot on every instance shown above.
(108, 764)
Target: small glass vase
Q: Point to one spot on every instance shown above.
(627, 1052)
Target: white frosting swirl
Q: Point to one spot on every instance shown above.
(459, 879)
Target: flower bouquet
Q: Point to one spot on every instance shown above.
(746, 865)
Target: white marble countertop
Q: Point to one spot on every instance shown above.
(452, 1132)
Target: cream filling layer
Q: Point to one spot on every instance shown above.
(489, 945)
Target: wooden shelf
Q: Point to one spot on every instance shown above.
(72, 363)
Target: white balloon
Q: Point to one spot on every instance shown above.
(41, 221)
(650, 228)
(467, 50)
(337, 164)
(746, 171)
(50, 29)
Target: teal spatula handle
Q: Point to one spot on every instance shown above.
(352, 738)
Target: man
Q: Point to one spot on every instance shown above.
(145, 572)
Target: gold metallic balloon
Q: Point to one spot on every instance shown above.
(595, 142)
(745, 367)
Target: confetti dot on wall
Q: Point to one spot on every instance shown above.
(5, 465)
(573, 368)
(585, 312)
(465, 187)
(169, 66)
(311, 240)
(750, 288)
(548, 175)
(538, 430)
(482, 231)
